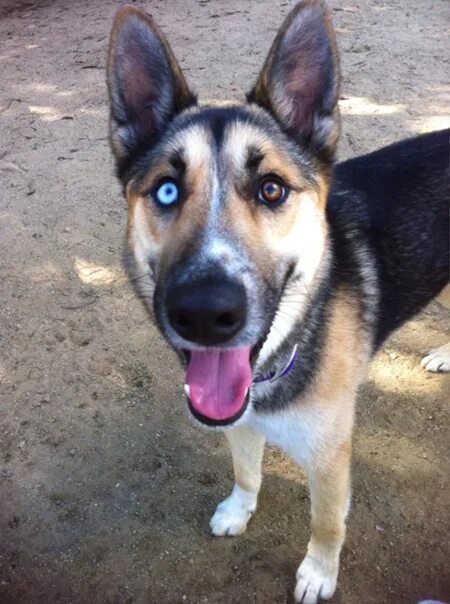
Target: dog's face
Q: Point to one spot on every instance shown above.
(226, 227)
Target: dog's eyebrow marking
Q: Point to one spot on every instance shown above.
(177, 162)
(254, 158)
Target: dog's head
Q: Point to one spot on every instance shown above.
(226, 227)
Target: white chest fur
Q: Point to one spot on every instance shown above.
(299, 431)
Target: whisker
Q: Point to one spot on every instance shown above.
(143, 276)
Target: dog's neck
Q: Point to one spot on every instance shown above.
(274, 375)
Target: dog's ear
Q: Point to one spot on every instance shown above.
(145, 83)
(299, 83)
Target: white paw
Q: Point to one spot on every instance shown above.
(438, 359)
(232, 515)
(316, 581)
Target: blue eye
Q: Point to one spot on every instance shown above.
(167, 193)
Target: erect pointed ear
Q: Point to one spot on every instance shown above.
(145, 83)
(299, 83)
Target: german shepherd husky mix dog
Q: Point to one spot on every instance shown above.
(275, 274)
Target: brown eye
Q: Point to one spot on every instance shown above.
(272, 192)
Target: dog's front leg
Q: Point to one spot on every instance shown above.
(232, 515)
(329, 485)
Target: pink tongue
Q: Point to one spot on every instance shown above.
(218, 381)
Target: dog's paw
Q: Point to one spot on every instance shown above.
(315, 581)
(438, 360)
(232, 515)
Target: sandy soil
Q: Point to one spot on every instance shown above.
(106, 488)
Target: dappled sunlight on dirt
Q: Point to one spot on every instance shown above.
(364, 106)
(393, 373)
(434, 122)
(89, 272)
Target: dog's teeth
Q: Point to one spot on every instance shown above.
(187, 389)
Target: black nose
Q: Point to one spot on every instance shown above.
(207, 312)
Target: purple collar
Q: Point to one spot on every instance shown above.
(273, 376)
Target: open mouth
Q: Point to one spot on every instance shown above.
(218, 382)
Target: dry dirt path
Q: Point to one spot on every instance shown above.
(105, 488)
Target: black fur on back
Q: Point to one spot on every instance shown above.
(397, 200)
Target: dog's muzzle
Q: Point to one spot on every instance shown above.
(207, 312)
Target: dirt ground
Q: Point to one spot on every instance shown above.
(106, 489)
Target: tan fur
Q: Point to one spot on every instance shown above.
(329, 486)
(171, 234)
(345, 356)
(331, 401)
(346, 352)
(241, 137)
(140, 218)
(268, 238)
(344, 359)
(247, 447)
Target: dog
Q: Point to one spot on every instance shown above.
(275, 274)
(438, 359)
